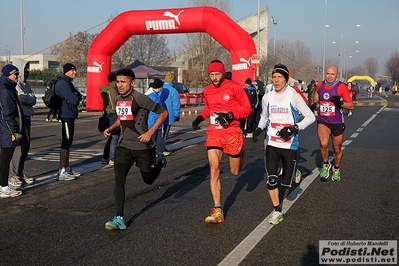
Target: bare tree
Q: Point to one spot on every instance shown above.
(359, 70)
(371, 64)
(74, 50)
(296, 56)
(392, 66)
(198, 49)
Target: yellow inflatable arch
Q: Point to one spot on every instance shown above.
(368, 78)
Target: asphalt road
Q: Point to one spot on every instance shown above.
(62, 222)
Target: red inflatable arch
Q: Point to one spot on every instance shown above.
(166, 21)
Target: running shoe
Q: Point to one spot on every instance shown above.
(215, 217)
(65, 176)
(349, 113)
(28, 180)
(277, 217)
(336, 176)
(116, 223)
(9, 193)
(166, 153)
(74, 173)
(325, 170)
(111, 162)
(298, 176)
(14, 181)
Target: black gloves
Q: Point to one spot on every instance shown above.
(337, 101)
(313, 107)
(196, 122)
(288, 132)
(256, 133)
(177, 118)
(224, 118)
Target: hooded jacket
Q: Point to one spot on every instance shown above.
(170, 96)
(11, 114)
(69, 95)
(26, 95)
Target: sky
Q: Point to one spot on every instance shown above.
(48, 22)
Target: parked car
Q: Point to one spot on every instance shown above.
(187, 97)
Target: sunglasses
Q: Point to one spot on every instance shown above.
(16, 74)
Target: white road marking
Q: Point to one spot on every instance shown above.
(242, 250)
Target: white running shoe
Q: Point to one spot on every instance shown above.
(74, 173)
(166, 153)
(298, 176)
(65, 177)
(277, 217)
(14, 181)
(9, 192)
(28, 180)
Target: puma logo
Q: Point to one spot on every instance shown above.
(175, 17)
(244, 61)
(98, 65)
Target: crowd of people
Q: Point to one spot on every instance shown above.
(138, 125)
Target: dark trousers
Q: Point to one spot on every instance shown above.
(251, 122)
(5, 159)
(124, 160)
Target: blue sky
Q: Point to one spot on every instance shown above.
(48, 22)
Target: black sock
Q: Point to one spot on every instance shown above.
(336, 167)
(277, 208)
(327, 162)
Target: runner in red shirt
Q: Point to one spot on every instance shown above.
(225, 104)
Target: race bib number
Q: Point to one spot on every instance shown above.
(327, 109)
(124, 110)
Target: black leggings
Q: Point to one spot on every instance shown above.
(68, 130)
(5, 159)
(124, 160)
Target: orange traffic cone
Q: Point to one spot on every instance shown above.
(189, 113)
(195, 112)
(183, 114)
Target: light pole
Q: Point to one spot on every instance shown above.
(342, 46)
(324, 41)
(274, 21)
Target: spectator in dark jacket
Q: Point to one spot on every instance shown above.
(68, 113)
(12, 126)
(254, 100)
(28, 100)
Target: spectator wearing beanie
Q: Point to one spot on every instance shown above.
(254, 101)
(154, 92)
(12, 126)
(68, 112)
(170, 96)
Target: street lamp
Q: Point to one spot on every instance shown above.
(324, 42)
(342, 45)
(274, 21)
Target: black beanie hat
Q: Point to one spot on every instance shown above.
(111, 77)
(67, 67)
(283, 70)
(248, 81)
(157, 84)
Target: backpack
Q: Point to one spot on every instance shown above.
(50, 99)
